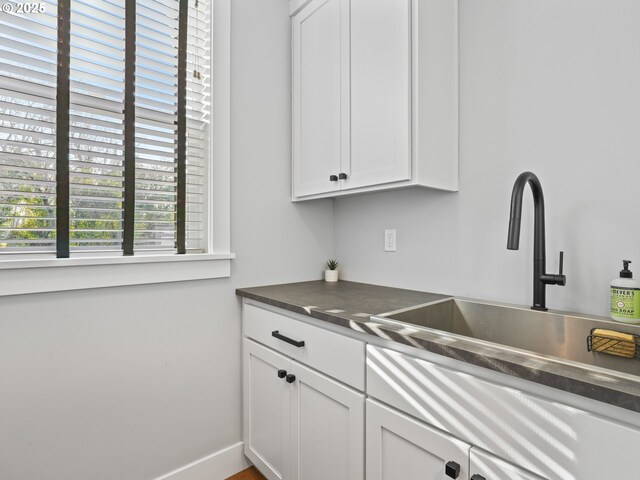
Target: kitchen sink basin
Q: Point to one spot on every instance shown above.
(556, 335)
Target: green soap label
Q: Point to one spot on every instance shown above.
(625, 302)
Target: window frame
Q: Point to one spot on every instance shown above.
(39, 273)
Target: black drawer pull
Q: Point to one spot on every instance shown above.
(333, 178)
(477, 476)
(282, 373)
(295, 343)
(291, 378)
(342, 176)
(452, 469)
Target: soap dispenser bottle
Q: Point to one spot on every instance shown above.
(625, 296)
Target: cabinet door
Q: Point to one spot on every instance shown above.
(266, 410)
(400, 447)
(484, 466)
(380, 92)
(320, 100)
(327, 428)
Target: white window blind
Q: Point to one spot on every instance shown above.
(27, 130)
(156, 118)
(198, 120)
(96, 130)
(96, 97)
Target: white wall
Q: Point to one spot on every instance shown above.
(131, 383)
(549, 86)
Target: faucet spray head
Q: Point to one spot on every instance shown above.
(513, 238)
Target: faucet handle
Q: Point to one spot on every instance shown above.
(561, 262)
(560, 279)
(555, 279)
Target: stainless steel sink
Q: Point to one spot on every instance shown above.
(561, 336)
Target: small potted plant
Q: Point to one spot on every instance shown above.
(331, 273)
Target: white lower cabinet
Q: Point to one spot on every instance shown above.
(304, 415)
(524, 430)
(400, 447)
(298, 423)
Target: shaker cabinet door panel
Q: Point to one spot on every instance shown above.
(266, 410)
(400, 447)
(318, 104)
(380, 92)
(327, 428)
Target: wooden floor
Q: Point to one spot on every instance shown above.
(248, 474)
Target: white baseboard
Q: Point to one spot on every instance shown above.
(217, 466)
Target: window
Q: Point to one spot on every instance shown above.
(104, 126)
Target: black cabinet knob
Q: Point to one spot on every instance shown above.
(477, 476)
(452, 469)
(282, 373)
(291, 378)
(333, 178)
(342, 176)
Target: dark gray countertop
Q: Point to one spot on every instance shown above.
(337, 302)
(350, 305)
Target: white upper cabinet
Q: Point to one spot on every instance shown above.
(375, 95)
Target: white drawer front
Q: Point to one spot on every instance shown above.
(338, 356)
(553, 440)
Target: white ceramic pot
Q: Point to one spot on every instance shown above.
(331, 275)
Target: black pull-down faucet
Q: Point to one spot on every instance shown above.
(540, 278)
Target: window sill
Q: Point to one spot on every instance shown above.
(23, 276)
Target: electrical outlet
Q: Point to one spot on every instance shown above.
(390, 240)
